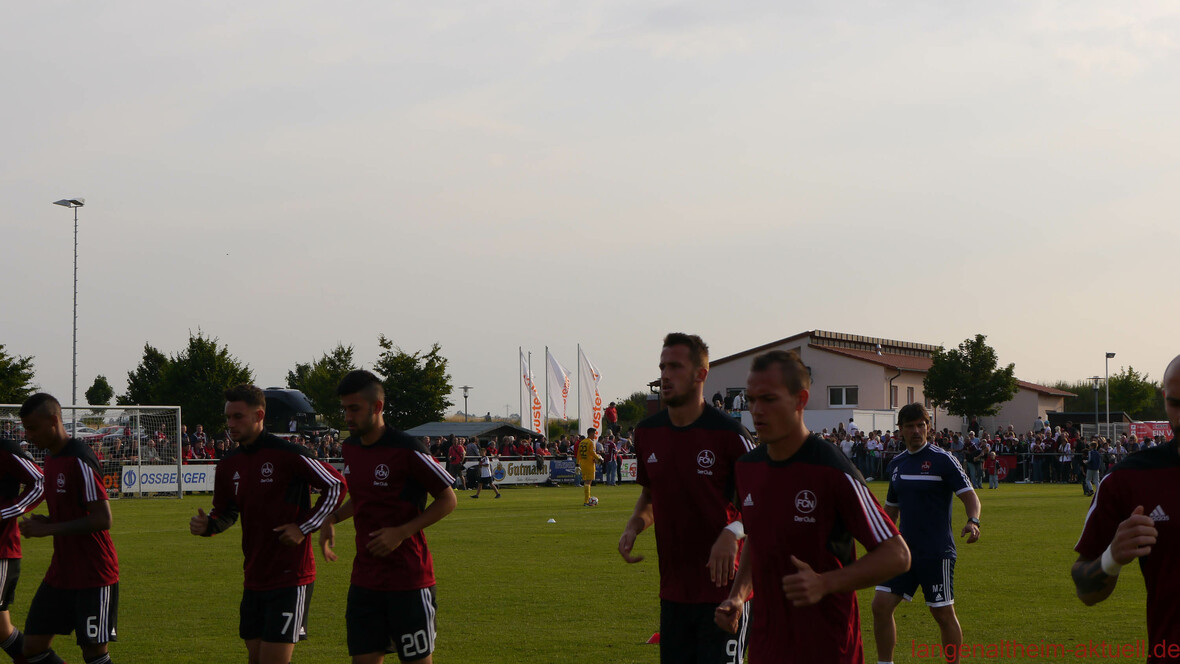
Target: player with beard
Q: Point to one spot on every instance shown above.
(1135, 513)
(267, 481)
(391, 600)
(685, 457)
(803, 502)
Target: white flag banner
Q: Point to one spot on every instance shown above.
(559, 387)
(530, 398)
(589, 400)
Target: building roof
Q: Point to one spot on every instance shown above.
(889, 353)
(1044, 390)
(893, 361)
(469, 429)
(843, 341)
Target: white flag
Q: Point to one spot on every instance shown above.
(532, 401)
(589, 400)
(559, 387)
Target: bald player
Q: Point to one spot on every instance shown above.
(1135, 513)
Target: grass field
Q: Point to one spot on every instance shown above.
(513, 588)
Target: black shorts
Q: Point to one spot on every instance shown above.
(387, 621)
(689, 634)
(92, 613)
(486, 482)
(935, 575)
(9, 575)
(275, 616)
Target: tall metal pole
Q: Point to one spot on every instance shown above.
(74, 388)
(1108, 434)
(579, 388)
(546, 434)
(520, 387)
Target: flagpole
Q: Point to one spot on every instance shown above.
(546, 433)
(520, 387)
(579, 388)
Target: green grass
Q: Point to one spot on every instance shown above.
(513, 588)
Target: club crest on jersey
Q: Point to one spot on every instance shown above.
(381, 473)
(268, 469)
(705, 459)
(61, 482)
(805, 503)
(926, 466)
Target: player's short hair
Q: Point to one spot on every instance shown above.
(247, 394)
(364, 383)
(41, 403)
(796, 375)
(591, 430)
(912, 412)
(698, 350)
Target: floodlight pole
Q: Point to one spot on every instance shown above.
(1108, 356)
(1096, 423)
(74, 203)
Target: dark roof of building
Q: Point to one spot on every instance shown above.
(469, 429)
(841, 340)
(1044, 390)
(902, 362)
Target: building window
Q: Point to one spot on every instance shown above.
(926, 399)
(843, 397)
(909, 395)
(893, 396)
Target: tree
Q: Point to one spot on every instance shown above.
(16, 378)
(318, 381)
(417, 386)
(100, 393)
(196, 379)
(966, 381)
(144, 383)
(1135, 395)
(632, 410)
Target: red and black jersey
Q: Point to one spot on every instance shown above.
(689, 472)
(87, 560)
(388, 482)
(1148, 478)
(810, 506)
(22, 487)
(269, 484)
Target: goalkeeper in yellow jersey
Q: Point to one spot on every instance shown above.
(587, 456)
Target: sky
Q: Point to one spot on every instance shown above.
(488, 176)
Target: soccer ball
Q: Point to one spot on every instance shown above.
(593, 501)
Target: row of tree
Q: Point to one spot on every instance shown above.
(417, 385)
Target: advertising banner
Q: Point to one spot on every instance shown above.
(162, 479)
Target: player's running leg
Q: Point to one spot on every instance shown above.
(949, 631)
(884, 627)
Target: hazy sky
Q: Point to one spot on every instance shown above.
(284, 176)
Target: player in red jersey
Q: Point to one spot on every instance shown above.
(1135, 513)
(80, 592)
(267, 481)
(22, 487)
(803, 502)
(685, 456)
(391, 601)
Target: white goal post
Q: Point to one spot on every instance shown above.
(137, 446)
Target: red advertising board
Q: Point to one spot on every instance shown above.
(1158, 429)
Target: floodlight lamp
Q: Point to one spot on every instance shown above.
(71, 202)
(1109, 355)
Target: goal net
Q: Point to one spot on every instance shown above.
(137, 446)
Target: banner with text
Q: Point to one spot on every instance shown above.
(559, 386)
(1160, 430)
(531, 418)
(162, 479)
(589, 400)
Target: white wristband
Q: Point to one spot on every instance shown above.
(1109, 565)
(738, 530)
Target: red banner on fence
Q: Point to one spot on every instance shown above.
(1158, 429)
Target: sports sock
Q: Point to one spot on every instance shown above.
(47, 657)
(14, 645)
(104, 658)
